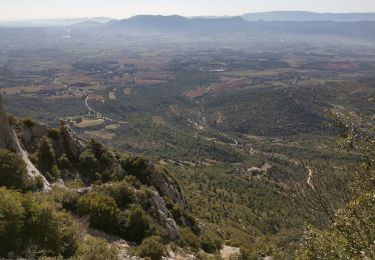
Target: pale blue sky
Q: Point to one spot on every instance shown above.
(30, 9)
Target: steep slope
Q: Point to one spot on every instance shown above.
(119, 196)
(9, 140)
(6, 140)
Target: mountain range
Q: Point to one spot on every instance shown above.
(302, 16)
(291, 16)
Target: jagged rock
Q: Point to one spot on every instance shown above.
(163, 216)
(167, 186)
(72, 145)
(32, 135)
(9, 140)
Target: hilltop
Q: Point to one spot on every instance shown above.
(93, 198)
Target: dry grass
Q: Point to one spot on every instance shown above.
(89, 123)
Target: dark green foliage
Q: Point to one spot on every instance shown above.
(54, 134)
(32, 226)
(46, 161)
(64, 163)
(188, 238)
(151, 247)
(48, 228)
(136, 166)
(28, 122)
(209, 244)
(103, 155)
(122, 192)
(102, 211)
(95, 249)
(12, 217)
(136, 225)
(133, 181)
(67, 198)
(13, 173)
(89, 166)
(98, 164)
(174, 208)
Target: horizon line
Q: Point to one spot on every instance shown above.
(166, 15)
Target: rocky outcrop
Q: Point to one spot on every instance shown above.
(33, 172)
(9, 140)
(163, 216)
(167, 186)
(71, 144)
(31, 135)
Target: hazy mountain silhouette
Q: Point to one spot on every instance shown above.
(309, 16)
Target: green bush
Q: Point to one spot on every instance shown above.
(54, 134)
(64, 162)
(102, 210)
(188, 238)
(136, 225)
(12, 215)
(48, 229)
(91, 248)
(31, 226)
(133, 181)
(88, 165)
(151, 247)
(45, 156)
(136, 166)
(209, 244)
(174, 208)
(28, 122)
(122, 193)
(67, 198)
(13, 173)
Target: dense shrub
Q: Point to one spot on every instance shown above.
(45, 156)
(32, 226)
(67, 198)
(54, 134)
(209, 244)
(133, 181)
(89, 166)
(102, 154)
(13, 173)
(12, 215)
(47, 228)
(136, 166)
(136, 225)
(174, 208)
(122, 193)
(188, 238)
(102, 210)
(151, 247)
(95, 249)
(28, 122)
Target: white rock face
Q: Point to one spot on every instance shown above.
(9, 140)
(31, 169)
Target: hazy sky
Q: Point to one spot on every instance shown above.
(29, 9)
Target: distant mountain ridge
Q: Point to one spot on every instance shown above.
(160, 20)
(302, 16)
(54, 22)
(178, 26)
(178, 23)
(149, 24)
